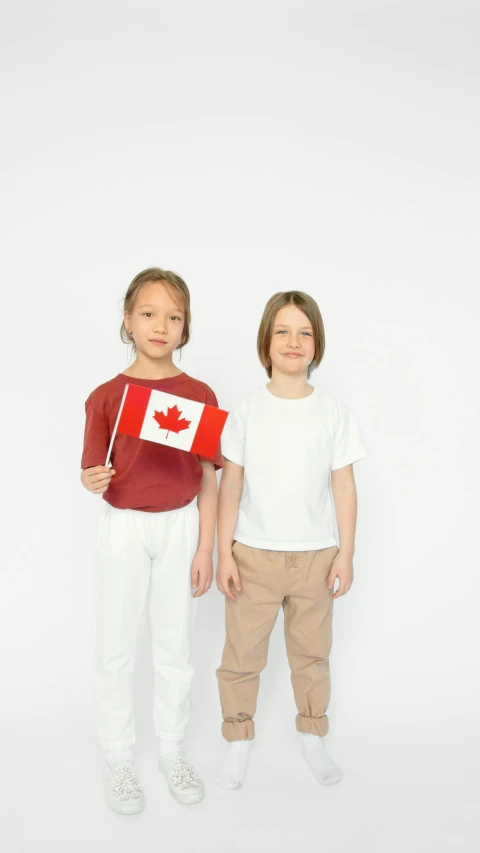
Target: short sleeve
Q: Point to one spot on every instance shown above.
(348, 445)
(234, 435)
(97, 433)
(211, 400)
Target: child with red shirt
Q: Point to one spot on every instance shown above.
(155, 542)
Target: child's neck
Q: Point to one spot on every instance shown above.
(289, 387)
(145, 368)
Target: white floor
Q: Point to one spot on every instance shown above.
(403, 792)
(410, 752)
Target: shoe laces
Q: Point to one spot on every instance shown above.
(124, 782)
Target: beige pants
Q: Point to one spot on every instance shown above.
(297, 581)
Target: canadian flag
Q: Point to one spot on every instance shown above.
(167, 419)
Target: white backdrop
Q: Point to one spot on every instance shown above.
(251, 147)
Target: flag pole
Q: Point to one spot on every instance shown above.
(116, 424)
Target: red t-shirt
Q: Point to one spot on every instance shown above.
(149, 476)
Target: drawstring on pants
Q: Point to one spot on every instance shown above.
(290, 560)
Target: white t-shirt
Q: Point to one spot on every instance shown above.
(288, 449)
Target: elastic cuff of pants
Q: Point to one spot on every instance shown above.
(171, 736)
(312, 725)
(112, 746)
(238, 730)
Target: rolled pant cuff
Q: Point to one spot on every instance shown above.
(312, 725)
(238, 730)
(171, 736)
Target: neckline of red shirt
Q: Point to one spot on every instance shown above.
(169, 380)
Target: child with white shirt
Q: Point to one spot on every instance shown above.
(288, 448)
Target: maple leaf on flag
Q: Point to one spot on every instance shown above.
(172, 421)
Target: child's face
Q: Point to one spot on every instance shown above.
(292, 346)
(156, 321)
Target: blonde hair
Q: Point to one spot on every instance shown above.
(168, 278)
(309, 307)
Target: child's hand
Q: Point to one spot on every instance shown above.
(202, 572)
(97, 479)
(227, 571)
(343, 570)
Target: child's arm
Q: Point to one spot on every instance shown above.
(96, 479)
(202, 568)
(95, 475)
(345, 498)
(231, 487)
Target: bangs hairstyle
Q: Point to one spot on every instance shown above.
(311, 310)
(174, 283)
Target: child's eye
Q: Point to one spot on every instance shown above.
(174, 317)
(307, 333)
(281, 332)
(147, 314)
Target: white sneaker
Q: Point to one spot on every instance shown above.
(183, 780)
(123, 792)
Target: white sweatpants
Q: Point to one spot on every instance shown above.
(140, 553)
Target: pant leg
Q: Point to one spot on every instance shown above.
(249, 623)
(122, 577)
(308, 634)
(172, 611)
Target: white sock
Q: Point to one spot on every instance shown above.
(113, 756)
(315, 754)
(166, 747)
(234, 765)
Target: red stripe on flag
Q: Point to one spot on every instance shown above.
(134, 408)
(209, 431)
